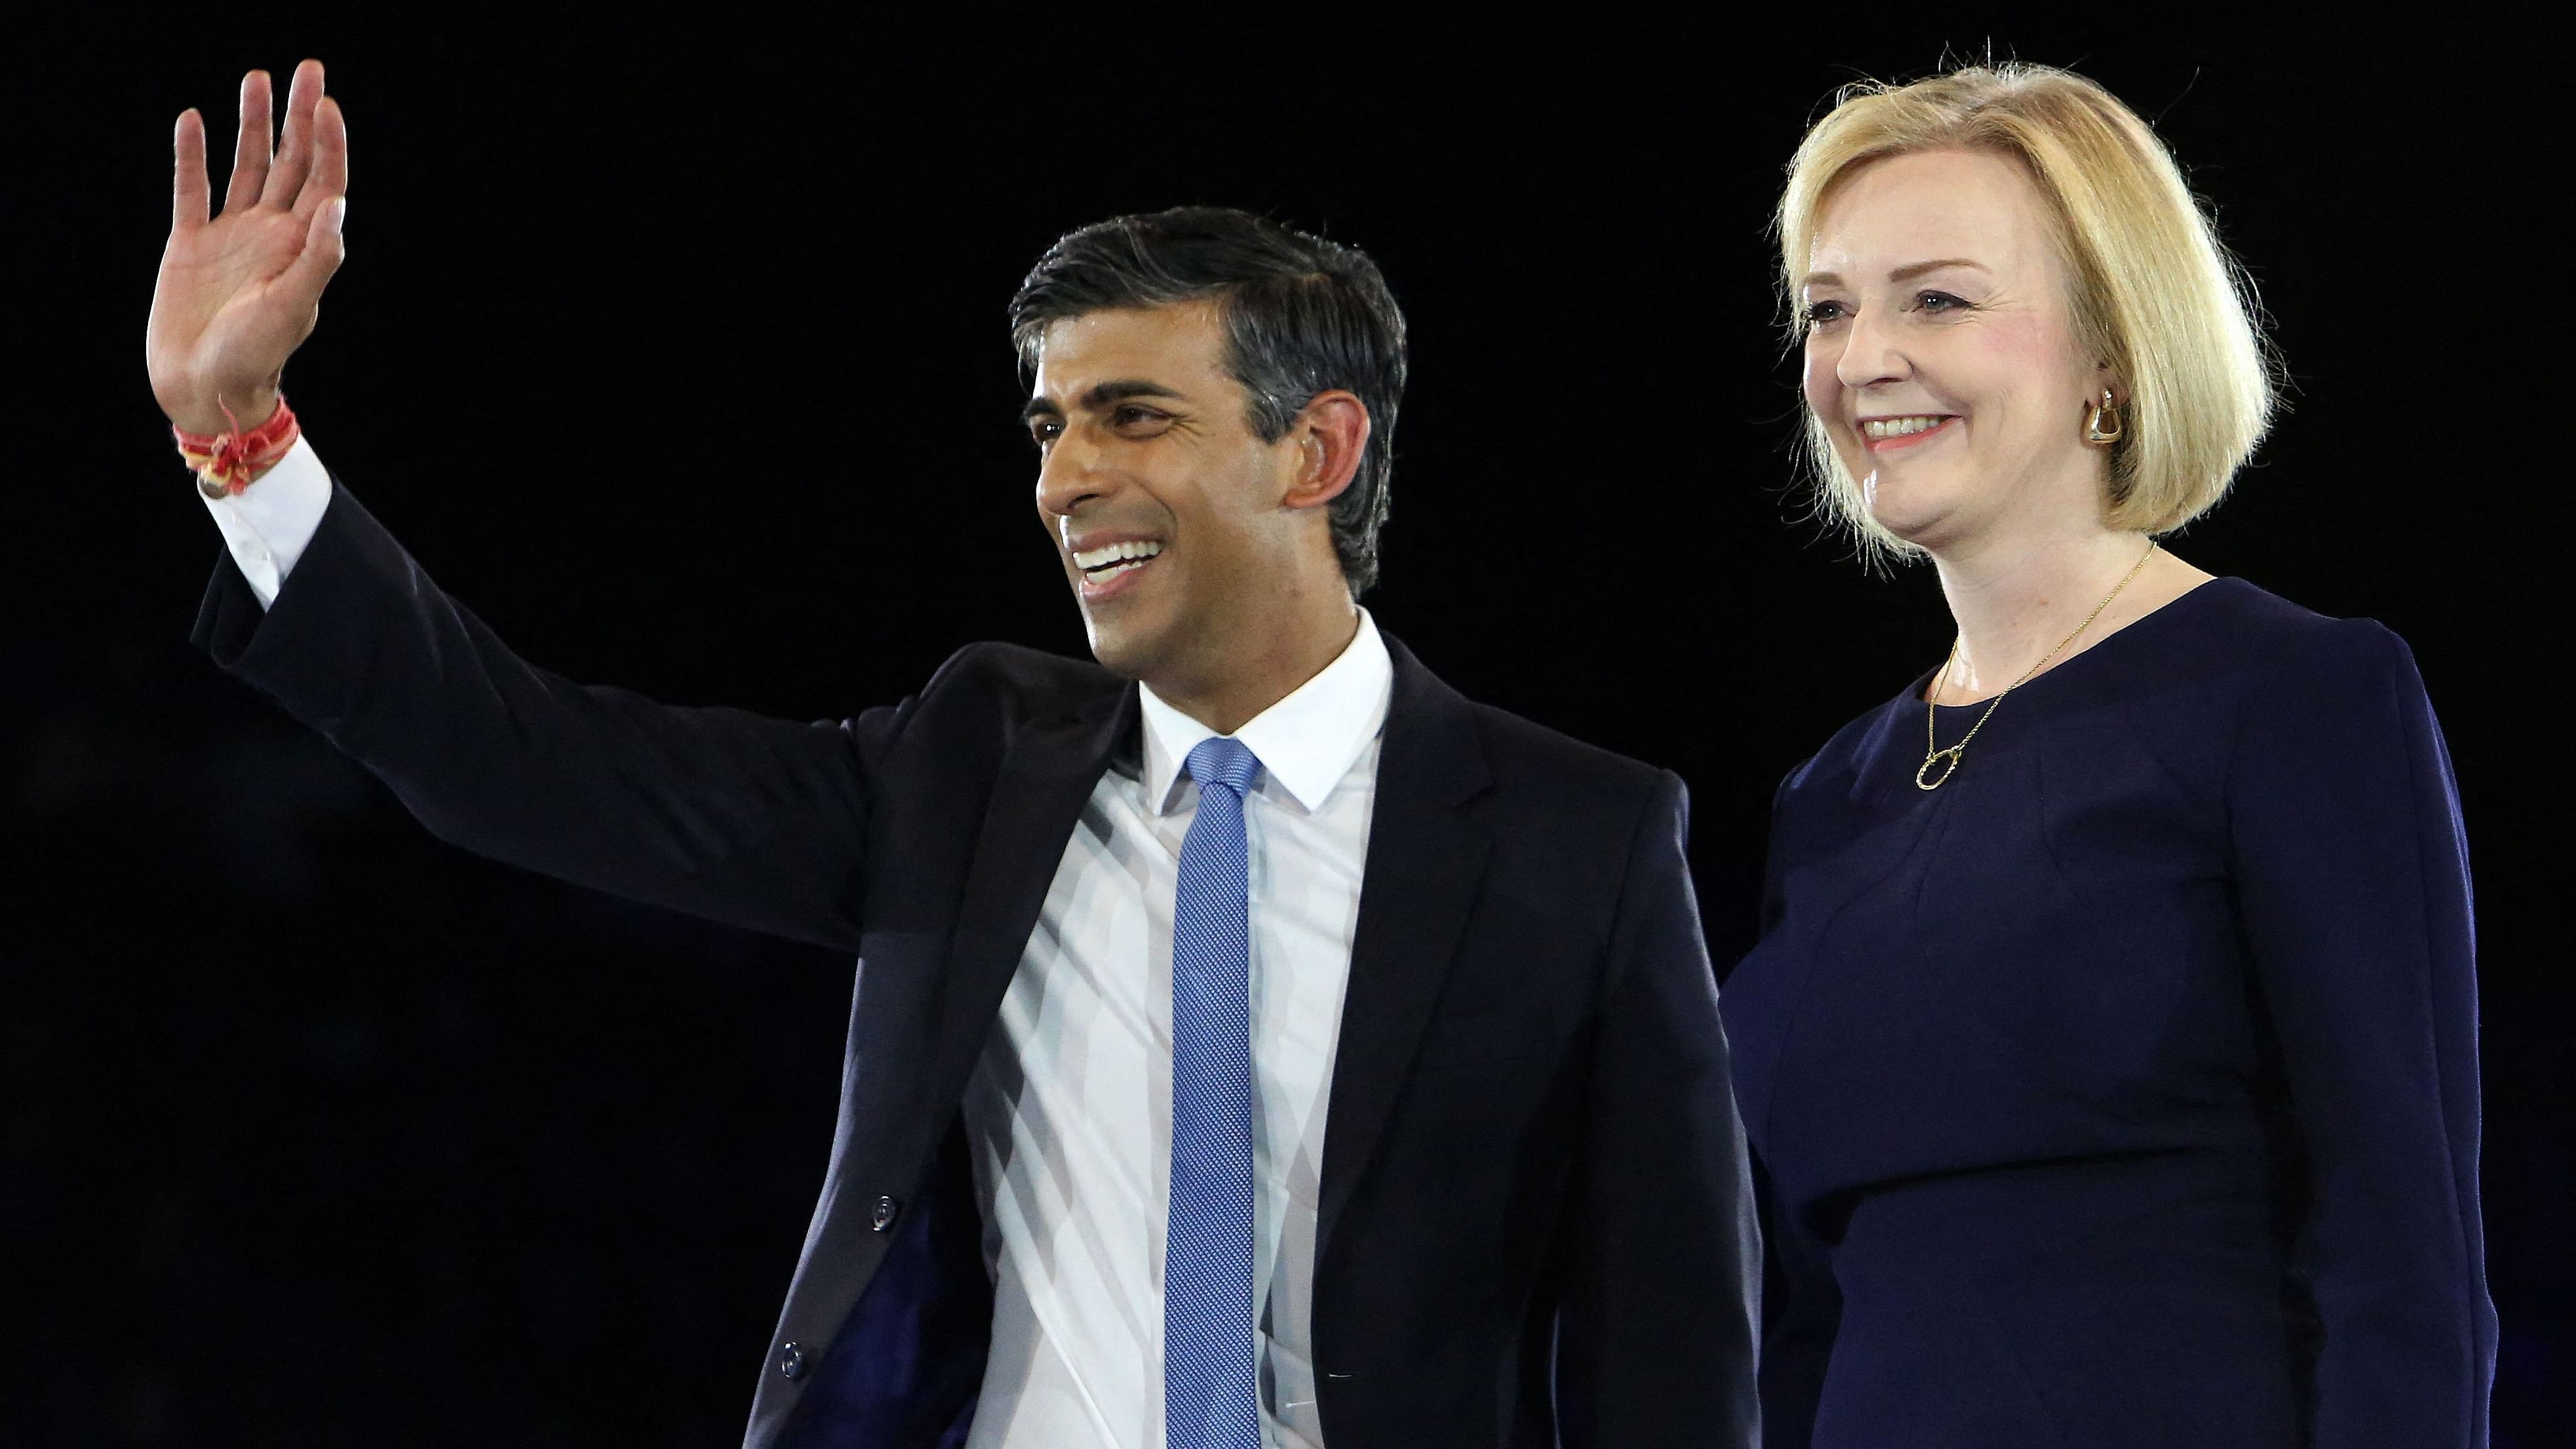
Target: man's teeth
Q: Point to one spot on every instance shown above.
(1099, 565)
(1899, 427)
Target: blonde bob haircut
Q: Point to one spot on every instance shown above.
(2154, 293)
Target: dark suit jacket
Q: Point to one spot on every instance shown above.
(1535, 1220)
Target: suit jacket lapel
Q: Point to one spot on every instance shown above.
(1046, 775)
(1425, 862)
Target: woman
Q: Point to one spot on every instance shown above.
(2110, 1049)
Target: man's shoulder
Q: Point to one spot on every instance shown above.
(986, 697)
(1524, 757)
(1566, 815)
(1523, 750)
(1020, 681)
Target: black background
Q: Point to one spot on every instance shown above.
(676, 348)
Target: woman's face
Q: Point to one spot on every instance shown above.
(1941, 351)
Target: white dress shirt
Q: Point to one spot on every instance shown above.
(1069, 1113)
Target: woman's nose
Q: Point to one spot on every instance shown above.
(1870, 354)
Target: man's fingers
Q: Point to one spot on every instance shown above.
(250, 146)
(324, 250)
(330, 176)
(188, 172)
(295, 147)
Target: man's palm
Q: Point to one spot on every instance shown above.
(238, 294)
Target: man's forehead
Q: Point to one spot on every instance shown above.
(1179, 343)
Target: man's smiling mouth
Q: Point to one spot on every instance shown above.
(1114, 560)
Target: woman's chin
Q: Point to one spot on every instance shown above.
(1920, 527)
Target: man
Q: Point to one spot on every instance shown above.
(1286, 1051)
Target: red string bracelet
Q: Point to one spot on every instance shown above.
(226, 463)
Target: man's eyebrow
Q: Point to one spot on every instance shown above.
(1102, 396)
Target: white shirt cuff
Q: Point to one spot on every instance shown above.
(268, 524)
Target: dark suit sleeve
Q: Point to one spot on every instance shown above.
(1656, 1339)
(755, 822)
(2352, 877)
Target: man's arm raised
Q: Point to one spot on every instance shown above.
(760, 823)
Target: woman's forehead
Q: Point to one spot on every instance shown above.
(1903, 211)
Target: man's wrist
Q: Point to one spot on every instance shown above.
(206, 416)
(228, 462)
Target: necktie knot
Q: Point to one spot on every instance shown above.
(1222, 761)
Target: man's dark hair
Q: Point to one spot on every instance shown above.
(1302, 316)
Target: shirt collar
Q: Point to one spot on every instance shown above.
(1306, 741)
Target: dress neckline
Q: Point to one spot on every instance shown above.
(1913, 695)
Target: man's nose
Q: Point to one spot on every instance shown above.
(1071, 474)
(1870, 352)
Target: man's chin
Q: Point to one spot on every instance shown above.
(1122, 648)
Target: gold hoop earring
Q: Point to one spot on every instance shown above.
(2105, 410)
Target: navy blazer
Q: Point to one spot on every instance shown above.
(2122, 1091)
(1536, 1223)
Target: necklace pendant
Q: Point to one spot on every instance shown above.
(1947, 759)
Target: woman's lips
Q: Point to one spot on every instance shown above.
(1921, 428)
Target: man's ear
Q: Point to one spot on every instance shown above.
(1331, 431)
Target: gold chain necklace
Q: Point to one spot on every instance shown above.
(1949, 759)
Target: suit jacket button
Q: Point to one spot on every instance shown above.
(883, 1216)
(791, 1360)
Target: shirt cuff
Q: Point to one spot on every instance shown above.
(268, 524)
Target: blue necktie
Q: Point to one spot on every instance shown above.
(1210, 1397)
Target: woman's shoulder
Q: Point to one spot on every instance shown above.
(2245, 669)
(2267, 638)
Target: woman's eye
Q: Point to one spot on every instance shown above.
(1820, 313)
(1938, 302)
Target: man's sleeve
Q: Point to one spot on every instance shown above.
(1656, 1337)
(755, 822)
(267, 526)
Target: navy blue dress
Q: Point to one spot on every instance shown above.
(2123, 1090)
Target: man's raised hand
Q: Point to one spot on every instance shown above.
(239, 293)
